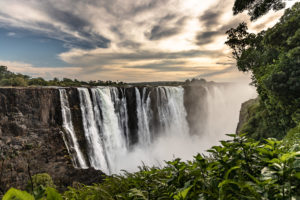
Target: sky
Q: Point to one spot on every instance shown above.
(131, 41)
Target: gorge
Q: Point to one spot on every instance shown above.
(71, 132)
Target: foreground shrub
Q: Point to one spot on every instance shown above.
(240, 168)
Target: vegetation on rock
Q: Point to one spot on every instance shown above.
(273, 57)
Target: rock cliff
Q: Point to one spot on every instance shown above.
(31, 132)
(31, 135)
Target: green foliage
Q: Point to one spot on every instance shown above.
(14, 194)
(292, 138)
(49, 194)
(39, 180)
(257, 8)
(240, 168)
(273, 57)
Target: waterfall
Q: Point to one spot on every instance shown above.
(172, 113)
(96, 151)
(113, 140)
(143, 115)
(120, 104)
(69, 136)
(155, 118)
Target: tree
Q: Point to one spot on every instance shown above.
(257, 8)
(273, 58)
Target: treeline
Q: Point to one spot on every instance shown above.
(8, 78)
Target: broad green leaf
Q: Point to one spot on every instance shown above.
(182, 194)
(14, 194)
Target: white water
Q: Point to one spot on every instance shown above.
(70, 139)
(105, 122)
(143, 115)
(173, 112)
(114, 141)
(95, 145)
(223, 104)
(121, 111)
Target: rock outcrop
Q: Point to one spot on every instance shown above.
(246, 112)
(31, 138)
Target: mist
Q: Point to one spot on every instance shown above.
(219, 116)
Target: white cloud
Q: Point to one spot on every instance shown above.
(45, 72)
(123, 27)
(11, 34)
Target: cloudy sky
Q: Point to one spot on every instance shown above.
(125, 40)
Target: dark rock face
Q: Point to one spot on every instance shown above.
(132, 115)
(196, 107)
(245, 113)
(31, 134)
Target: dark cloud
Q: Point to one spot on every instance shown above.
(213, 25)
(159, 32)
(209, 35)
(126, 12)
(147, 6)
(74, 22)
(210, 18)
(129, 44)
(167, 26)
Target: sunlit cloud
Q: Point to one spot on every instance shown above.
(130, 40)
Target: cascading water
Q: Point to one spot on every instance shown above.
(70, 137)
(172, 113)
(113, 140)
(143, 115)
(124, 126)
(95, 145)
(120, 104)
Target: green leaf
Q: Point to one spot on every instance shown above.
(137, 193)
(287, 156)
(230, 170)
(14, 194)
(52, 194)
(297, 175)
(183, 193)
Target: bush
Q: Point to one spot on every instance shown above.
(40, 180)
(240, 168)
